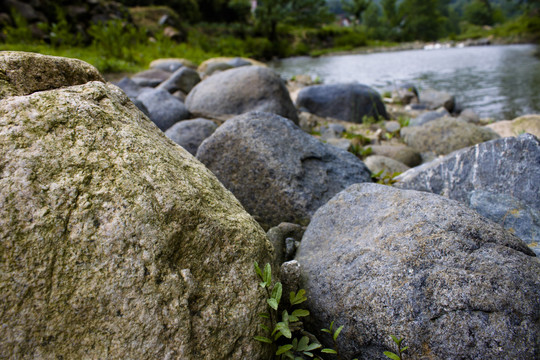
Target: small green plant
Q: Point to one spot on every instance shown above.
(317, 80)
(404, 121)
(360, 151)
(385, 178)
(289, 322)
(400, 350)
(387, 94)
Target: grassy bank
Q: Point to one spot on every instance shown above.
(119, 48)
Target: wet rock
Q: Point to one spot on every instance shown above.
(240, 90)
(191, 133)
(451, 282)
(277, 171)
(348, 102)
(506, 169)
(116, 243)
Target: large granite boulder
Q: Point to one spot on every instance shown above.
(24, 73)
(240, 90)
(116, 243)
(382, 261)
(191, 133)
(349, 102)
(277, 171)
(499, 178)
(183, 79)
(444, 135)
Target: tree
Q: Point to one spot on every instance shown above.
(356, 8)
(270, 13)
(478, 12)
(420, 20)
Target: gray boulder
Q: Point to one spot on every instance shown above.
(277, 171)
(170, 65)
(165, 110)
(191, 133)
(24, 73)
(498, 178)
(434, 99)
(238, 62)
(183, 79)
(130, 87)
(117, 243)
(382, 261)
(429, 116)
(444, 135)
(348, 102)
(240, 90)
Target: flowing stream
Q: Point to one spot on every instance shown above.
(500, 82)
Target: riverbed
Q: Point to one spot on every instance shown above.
(498, 81)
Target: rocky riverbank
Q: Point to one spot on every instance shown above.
(118, 243)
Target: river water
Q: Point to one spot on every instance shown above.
(500, 82)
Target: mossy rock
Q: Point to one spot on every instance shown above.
(116, 242)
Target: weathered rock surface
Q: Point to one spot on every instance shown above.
(203, 68)
(116, 243)
(498, 169)
(165, 110)
(191, 133)
(25, 73)
(526, 123)
(444, 135)
(277, 171)
(172, 64)
(454, 284)
(401, 153)
(348, 102)
(240, 90)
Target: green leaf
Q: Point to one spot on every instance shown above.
(336, 334)
(264, 327)
(326, 331)
(396, 340)
(299, 358)
(307, 353)
(283, 328)
(300, 313)
(297, 298)
(264, 315)
(313, 346)
(267, 275)
(283, 349)
(329, 351)
(263, 339)
(302, 344)
(405, 348)
(272, 303)
(276, 292)
(258, 269)
(391, 355)
(293, 318)
(262, 284)
(285, 316)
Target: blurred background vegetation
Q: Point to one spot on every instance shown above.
(124, 36)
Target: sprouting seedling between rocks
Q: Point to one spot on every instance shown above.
(399, 355)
